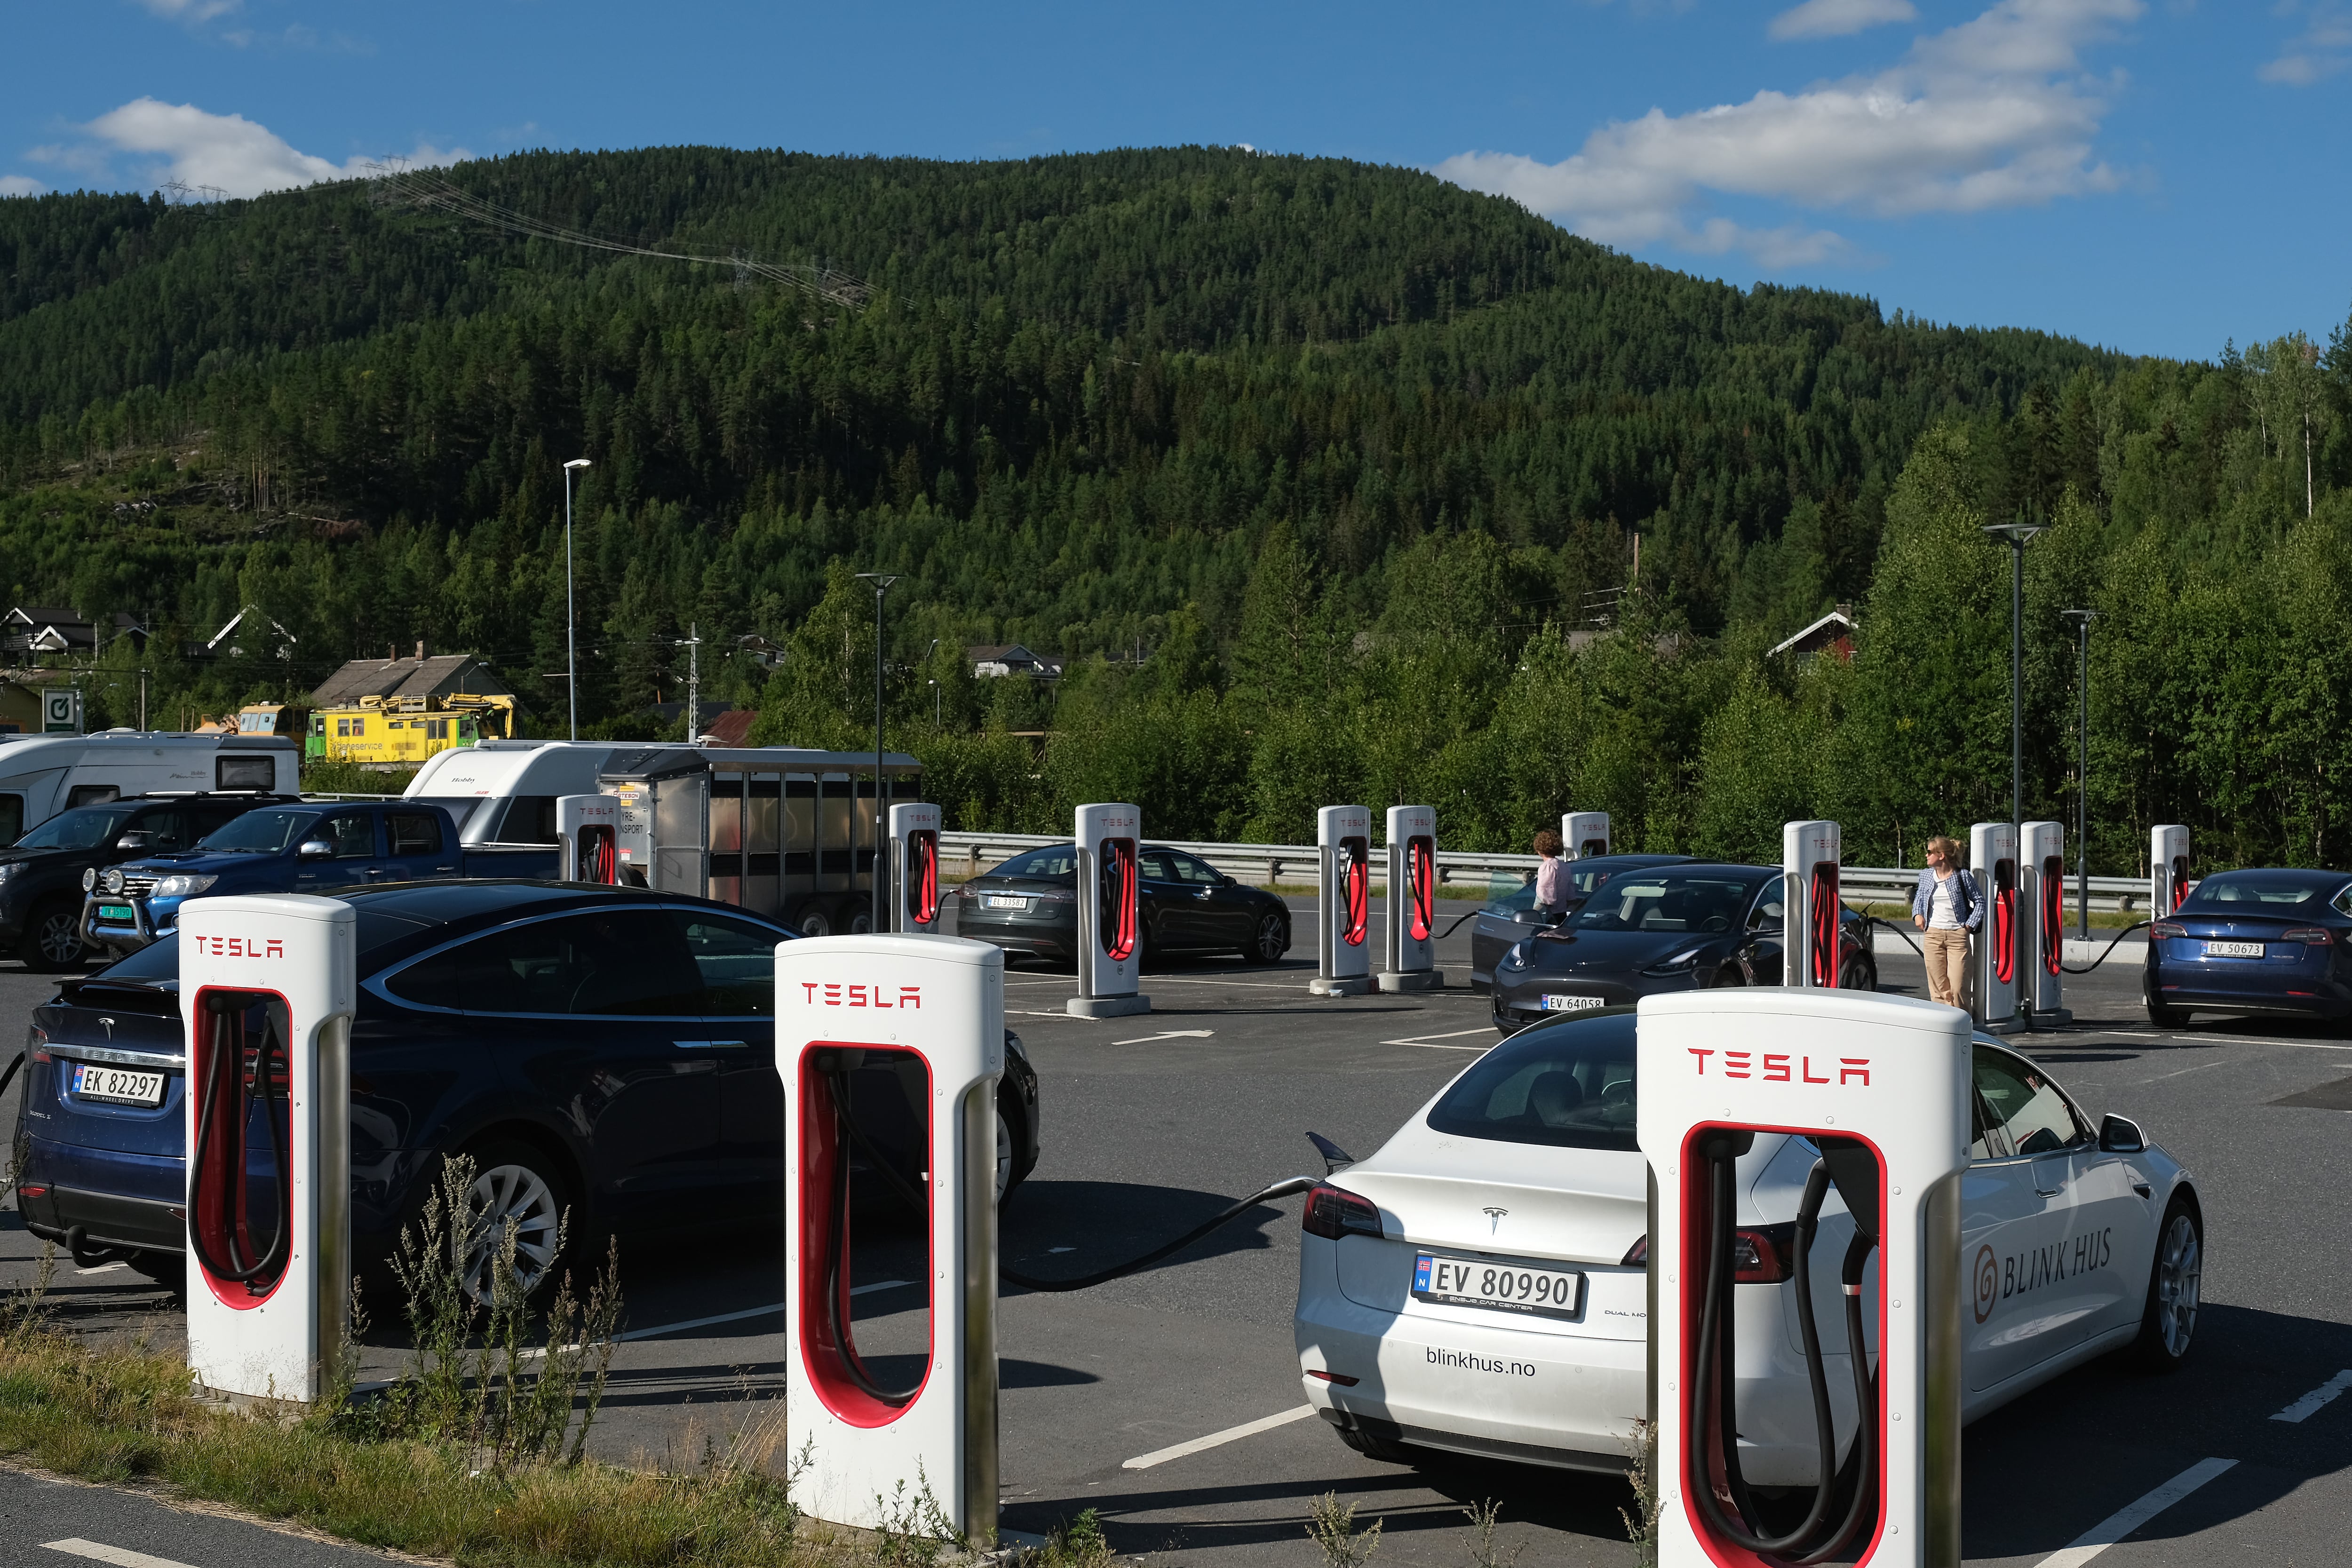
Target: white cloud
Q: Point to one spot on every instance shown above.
(19, 186)
(1991, 114)
(190, 10)
(2325, 49)
(225, 152)
(1836, 18)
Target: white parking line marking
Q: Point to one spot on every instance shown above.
(97, 1552)
(2213, 1039)
(102, 1268)
(2318, 1399)
(2108, 1532)
(1429, 1042)
(1218, 1439)
(1171, 1034)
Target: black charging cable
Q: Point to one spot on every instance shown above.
(222, 1075)
(2138, 925)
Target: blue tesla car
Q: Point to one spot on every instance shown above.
(608, 1051)
(2261, 941)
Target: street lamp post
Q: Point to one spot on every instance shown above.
(2083, 619)
(570, 636)
(881, 582)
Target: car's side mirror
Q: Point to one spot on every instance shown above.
(1531, 917)
(134, 841)
(2121, 1135)
(314, 849)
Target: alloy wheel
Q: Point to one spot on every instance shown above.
(2179, 1277)
(58, 939)
(1004, 1156)
(520, 1194)
(1271, 940)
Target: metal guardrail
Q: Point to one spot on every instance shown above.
(971, 854)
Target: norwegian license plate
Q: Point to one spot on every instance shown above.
(2233, 949)
(1569, 1003)
(1504, 1287)
(114, 912)
(1003, 901)
(91, 1080)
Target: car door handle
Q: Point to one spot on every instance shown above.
(711, 1045)
(2050, 1176)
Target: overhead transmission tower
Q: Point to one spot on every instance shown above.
(423, 189)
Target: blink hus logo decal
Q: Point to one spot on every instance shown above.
(1987, 1283)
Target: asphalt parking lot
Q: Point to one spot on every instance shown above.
(1170, 1401)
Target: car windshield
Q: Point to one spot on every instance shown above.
(1054, 860)
(259, 832)
(1569, 1085)
(84, 828)
(1666, 902)
(2263, 892)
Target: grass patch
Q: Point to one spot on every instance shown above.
(324, 777)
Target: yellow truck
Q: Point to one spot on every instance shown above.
(401, 732)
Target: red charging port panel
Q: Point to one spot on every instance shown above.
(923, 877)
(1356, 888)
(1827, 916)
(1421, 881)
(1115, 873)
(218, 1209)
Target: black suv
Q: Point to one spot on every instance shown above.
(41, 874)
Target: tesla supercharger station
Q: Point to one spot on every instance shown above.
(268, 984)
(1110, 912)
(1343, 901)
(1813, 915)
(1412, 901)
(2043, 942)
(1584, 834)
(2167, 868)
(930, 1012)
(1879, 1085)
(587, 848)
(915, 867)
(1992, 861)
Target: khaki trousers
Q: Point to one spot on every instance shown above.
(1947, 966)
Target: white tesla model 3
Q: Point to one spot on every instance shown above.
(1480, 1284)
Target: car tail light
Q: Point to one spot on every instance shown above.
(1334, 1213)
(31, 1191)
(2310, 936)
(36, 1044)
(1763, 1255)
(1638, 1255)
(2166, 930)
(1341, 1378)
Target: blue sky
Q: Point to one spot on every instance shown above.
(2153, 174)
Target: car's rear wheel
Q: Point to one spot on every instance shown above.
(813, 918)
(516, 1181)
(2175, 1288)
(169, 1269)
(1270, 942)
(52, 941)
(1727, 975)
(2165, 1018)
(1386, 1451)
(1859, 974)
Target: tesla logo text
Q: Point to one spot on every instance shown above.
(239, 946)
(862, 995)
(1772, 1067)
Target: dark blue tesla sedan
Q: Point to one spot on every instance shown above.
(608, 1051)
(2260, 941)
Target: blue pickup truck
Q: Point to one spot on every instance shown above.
(314, 847)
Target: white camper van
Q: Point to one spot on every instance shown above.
(41, 775)
(503, 792)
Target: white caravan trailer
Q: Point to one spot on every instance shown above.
(504, 792)
(41, 775)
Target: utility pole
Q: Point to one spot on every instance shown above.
(2017, 533)
(692, 643)
(881, 582)
(142, 700)
(571, 618)
(2083, 619)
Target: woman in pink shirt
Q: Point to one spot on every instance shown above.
(1551, 877)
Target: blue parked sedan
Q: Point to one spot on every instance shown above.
(606, 1050)
(2263, 940)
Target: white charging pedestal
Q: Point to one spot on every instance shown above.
(1992, 863)
(1343, 901)
(1892, 1073)
(2043, 901)
(1813, 915)
(1412, 901)
(915, 867)
(1584, 834)
(1110, 912)
(586, 838)
(267, 973)
(930, 1012)
(2167, 868)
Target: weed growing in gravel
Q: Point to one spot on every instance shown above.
(1332, 1525)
